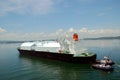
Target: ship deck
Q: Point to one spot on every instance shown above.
(85, 54)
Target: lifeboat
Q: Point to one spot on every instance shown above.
(103, 67)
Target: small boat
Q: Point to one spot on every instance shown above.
(102, 67)
(106, 60)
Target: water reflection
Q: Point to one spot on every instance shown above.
(61, 70)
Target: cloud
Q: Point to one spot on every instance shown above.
(2, 30)
(71, 30)
(26, 6)
(22, 36)
(82, 32)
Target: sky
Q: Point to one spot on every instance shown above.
(47, 19)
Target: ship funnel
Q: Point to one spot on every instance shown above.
(75, 37)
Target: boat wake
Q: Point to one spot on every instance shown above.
(117, 68)
(118, 65)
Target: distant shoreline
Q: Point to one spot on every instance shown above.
(9, 42)
(99, 38)
(103, 38)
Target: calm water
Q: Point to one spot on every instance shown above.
(16, 67)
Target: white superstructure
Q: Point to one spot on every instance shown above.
(62, 45)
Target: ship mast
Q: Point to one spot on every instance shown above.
(67, 43)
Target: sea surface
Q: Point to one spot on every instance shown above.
(14, 66)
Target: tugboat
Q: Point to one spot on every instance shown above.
(61, 50)
(103, 67)
(105, 60)
(105, 64)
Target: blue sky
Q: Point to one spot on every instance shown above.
(28, 19)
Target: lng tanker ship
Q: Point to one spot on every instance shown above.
(61, 50)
